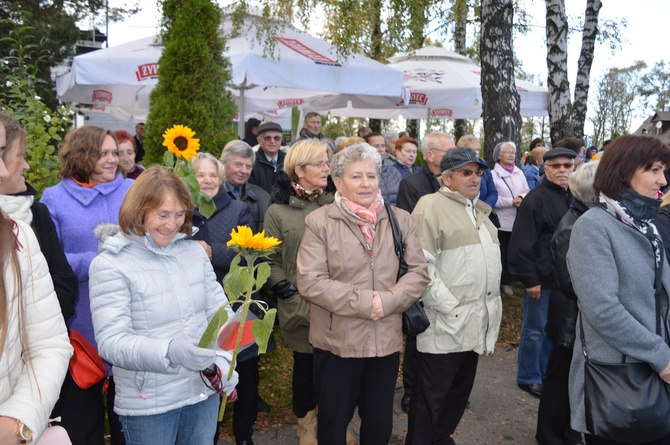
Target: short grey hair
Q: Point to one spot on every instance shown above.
(390, 134)
(200, 157)
(237, 148)
(498, 148)
(581, 183)
(432, 140)
(356, 152)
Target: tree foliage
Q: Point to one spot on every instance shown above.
(192, 79)
(615, 101)
(655, 87)
(19, 98)
(55, 29)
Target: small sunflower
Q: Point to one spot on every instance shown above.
(179, 140)
(243, 238)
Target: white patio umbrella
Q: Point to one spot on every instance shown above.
(443, 83)
(302, 69)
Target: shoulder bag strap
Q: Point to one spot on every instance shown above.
(397, 233)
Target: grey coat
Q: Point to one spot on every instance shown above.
(612, 270)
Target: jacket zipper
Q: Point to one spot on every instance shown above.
(372, 270)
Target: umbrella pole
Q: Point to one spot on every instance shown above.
(240, 122)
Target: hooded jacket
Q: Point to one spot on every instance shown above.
(142, 297)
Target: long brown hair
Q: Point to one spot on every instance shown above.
(10, 265)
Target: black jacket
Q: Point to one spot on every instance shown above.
(263, 173)
(529, 257)
(258, 201)
(64, 280)
(414, 187)
(563, 309)
(215, 231)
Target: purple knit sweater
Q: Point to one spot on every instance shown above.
(76, 211)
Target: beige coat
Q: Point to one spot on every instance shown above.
(337, 275)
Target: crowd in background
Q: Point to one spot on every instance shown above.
(117, 252)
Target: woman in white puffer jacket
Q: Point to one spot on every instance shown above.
(153, 292)
(34, 346)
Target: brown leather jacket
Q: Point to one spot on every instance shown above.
(337, 275)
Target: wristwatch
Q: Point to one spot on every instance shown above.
(24, 434)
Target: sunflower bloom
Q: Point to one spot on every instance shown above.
(244, 238)
(180, 141)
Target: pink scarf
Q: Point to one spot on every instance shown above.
(364, 217)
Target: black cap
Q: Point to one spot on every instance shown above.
(458, 157)
(559, 152)
(269, 126)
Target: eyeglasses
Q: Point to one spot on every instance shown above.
(557, 165)
(508, 152)
(467, 172)
(318, 165)
(271, 138)
(440, 150)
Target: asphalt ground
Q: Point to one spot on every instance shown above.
(499, 412)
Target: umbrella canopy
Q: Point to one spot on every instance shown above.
(302, 69)
(443, 83)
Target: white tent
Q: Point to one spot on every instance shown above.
(442, 84)
(302, 69)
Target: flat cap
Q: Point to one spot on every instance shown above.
(269, 126)
(559, 152)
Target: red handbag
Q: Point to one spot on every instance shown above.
(86, 366)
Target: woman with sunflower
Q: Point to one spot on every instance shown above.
(90, 192)
(153, 293)
(295, 195)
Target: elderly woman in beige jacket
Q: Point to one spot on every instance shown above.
(347, 269)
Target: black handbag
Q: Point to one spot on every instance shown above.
(414, 319)
(625, 402)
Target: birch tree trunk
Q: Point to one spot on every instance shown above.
(560, 106)
(460, 11)
(502, 118)
(582, 83)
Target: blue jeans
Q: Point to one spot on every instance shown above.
(535, 345)
(188, 425)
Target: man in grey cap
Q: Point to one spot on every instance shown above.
(269, 158)
(462, 302)
(529, 261)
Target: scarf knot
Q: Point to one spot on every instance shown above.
(307, 195)
(364, 217)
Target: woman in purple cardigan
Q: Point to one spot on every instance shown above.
(90, 192)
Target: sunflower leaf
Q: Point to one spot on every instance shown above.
(205, 205)
(235, 281)
(262, 274)
(168, 159)
(262, 329)
(209, 336)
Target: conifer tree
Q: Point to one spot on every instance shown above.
(192, 79)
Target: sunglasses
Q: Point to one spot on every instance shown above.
(467, 172)
(271, 138)
(557, 165)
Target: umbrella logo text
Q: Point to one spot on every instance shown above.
(299, 47)
(101, 96)
(147, 71)
(418, 98)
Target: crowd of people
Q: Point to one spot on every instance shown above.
(117, 254)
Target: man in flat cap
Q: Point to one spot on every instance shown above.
(529, 260)
(462, 302)
(269, 158)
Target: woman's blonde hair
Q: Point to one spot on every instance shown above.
(147, 194)
(302, 152)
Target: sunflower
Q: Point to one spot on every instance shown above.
(243, 238)
(179, 140)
